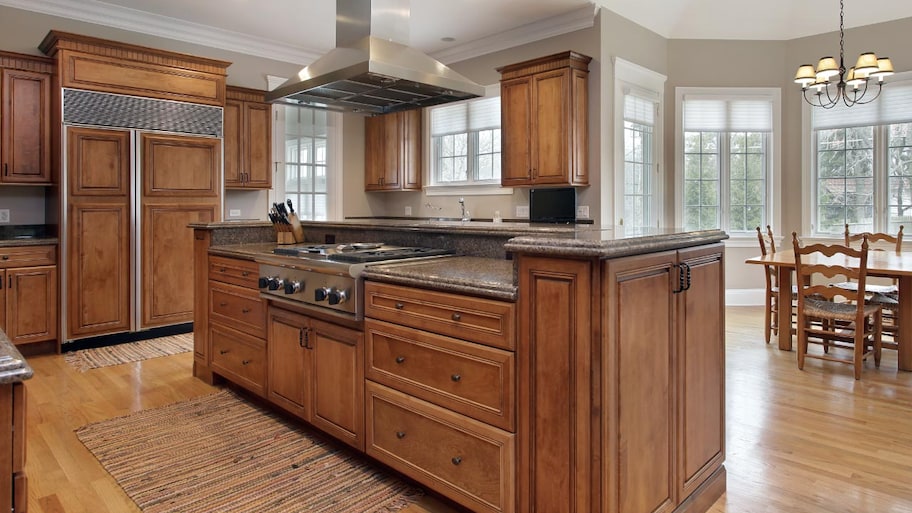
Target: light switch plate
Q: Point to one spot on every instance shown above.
(582, 212)
(522, 211)
(4, 215)
(408, 210)
(234, 212)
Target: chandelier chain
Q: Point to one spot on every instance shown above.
(841, 38)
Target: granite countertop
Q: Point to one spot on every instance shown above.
(13, 367)
(488, 277)
(418, 225)
(29, 241)
(612, 242)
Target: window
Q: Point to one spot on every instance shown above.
(726, 158)
(862, 163)
(465, 143)
(639, 162)
(306, 144)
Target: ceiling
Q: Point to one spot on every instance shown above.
(298, 31)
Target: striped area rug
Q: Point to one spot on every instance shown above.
(86, 359)
(219, 453)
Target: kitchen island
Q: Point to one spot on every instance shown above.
(14, 370)
(584, 374)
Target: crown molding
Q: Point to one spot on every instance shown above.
(570, 22)
(163, 26)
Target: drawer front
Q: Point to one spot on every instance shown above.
(239, 357)
(27, 256)
(237, 307)
(472, 379)
(485, 321)
(242, 273)
(463, 459)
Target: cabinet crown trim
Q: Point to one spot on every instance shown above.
(568, 59)
(27, 62)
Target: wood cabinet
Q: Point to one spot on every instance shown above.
(441, 390)
(248, 140)
(28, 293)
(392, 151)
(544, 121)
(316, 371)
(25, 120)
(13, 481)
(621, 373)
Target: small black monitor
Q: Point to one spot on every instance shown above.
(552, 205)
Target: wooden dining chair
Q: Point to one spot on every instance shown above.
(771, 310)
(834, 317)
(886, 295)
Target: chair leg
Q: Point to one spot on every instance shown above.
(768, 318)
(878, 338)
(802, 343)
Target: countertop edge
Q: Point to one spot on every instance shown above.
(32, 241)
(503, 293)
(589, 248)
(16, 374)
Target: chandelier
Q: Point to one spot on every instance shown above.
(831, 84)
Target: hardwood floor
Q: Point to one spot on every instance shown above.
(812, 441)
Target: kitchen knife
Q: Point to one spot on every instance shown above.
(290, 208)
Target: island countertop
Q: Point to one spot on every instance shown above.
(477, 276)
(13, 367)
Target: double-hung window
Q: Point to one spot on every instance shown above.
(726, 158)
(861, 172)
(465, 143)
(306, 147)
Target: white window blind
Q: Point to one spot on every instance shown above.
(711, 114)
(639, 110)
(466, 116)
(893, 106)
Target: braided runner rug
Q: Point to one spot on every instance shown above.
(219, 453)
(86, 359)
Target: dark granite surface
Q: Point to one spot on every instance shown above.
(27, 235)
(13, 367)
(6, 243)
(476, 276)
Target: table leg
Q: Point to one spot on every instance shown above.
(905, 324)
(785, 307)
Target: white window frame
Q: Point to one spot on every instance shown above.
(809, 169)
(774, 177)
(472, 189)
(649, 85)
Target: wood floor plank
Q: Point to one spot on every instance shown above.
(812, 441)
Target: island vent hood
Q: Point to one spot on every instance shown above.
(372, 69)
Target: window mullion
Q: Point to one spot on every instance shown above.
(881, 180)
(725, 181)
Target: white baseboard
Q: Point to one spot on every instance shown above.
(745, 297)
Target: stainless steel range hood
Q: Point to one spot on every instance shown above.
(372, 69)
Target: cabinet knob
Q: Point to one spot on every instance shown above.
(399, 306)
(400, 359)
(456, 378)
(456, 317)
(6, 257)
(245, 362)
(245, 274)
(400, 434)
(245, 310)
(456, 460)
(223, 304)
(221, 270)
(223, 351)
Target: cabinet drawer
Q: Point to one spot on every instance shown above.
(485, 321)
(242, 273)
(237, 307)
(27, 256)
(471, 379)
(239, 357)
(463, 459)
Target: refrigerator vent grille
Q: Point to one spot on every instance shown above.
(120, 111)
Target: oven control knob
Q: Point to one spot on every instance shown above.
(263, 282)
(275, 283)
(337, 297)
(321, 293)
(292, 287)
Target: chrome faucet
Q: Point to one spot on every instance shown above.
(466, 216)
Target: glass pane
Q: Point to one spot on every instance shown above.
(485, 171)
(692, 218)
(485, 142)
(738, 142)
(320, 210)
(319, 146)
(306, 147)
(710, 142)
(753, 192)
(319, 124)
(691, 142)
(446, 146)
(709, 218)
(709, 193)
(291, 178)
(691, 167)
(292, 120)
(497, 137)
(461, 144)
(445, 169)
(737, 163)
(461, 169)
(754, 166)
(307, 179)
(691, 193)
(320, 179)
(710, 167)
(736, 222)
(737, 194)
(753, 217)
(291, 149)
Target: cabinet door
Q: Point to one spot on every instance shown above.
(167, 260)
(258, 145)
(233, 143)
(180, 166)
(392, 150)
(410, 149)
(2, 300)
(289, 379)
(31, 304)
(98, 163)
(98, 269)
(373, 153)
(550, 128)
(516, 131)
(638, 363)
(25, 114)
(701, 368)
(338, 381)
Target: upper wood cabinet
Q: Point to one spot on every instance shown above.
(25, 124)
(544, 121)
(248, 140)
(392, 151)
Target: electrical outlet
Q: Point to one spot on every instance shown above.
(4, 215)
(234, 212)
(522, 211)
(408, 210)
(582, 212)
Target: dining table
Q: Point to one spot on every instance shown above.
(886, 264)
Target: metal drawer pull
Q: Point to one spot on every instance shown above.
(400, 359)
(223, 304)
(222, 270)
(223, 351)
(399, 306)
(245, 362)
(245, 310)
(456, 460)
(400, 434)
(456, 317)
(456, 377)
(6, 257)
(245, 274)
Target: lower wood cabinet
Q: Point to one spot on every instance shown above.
(466, 460)
(13, 481)
(316, 371)
(239, 357)
(28, 293)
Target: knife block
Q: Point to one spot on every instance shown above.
(296, 229)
